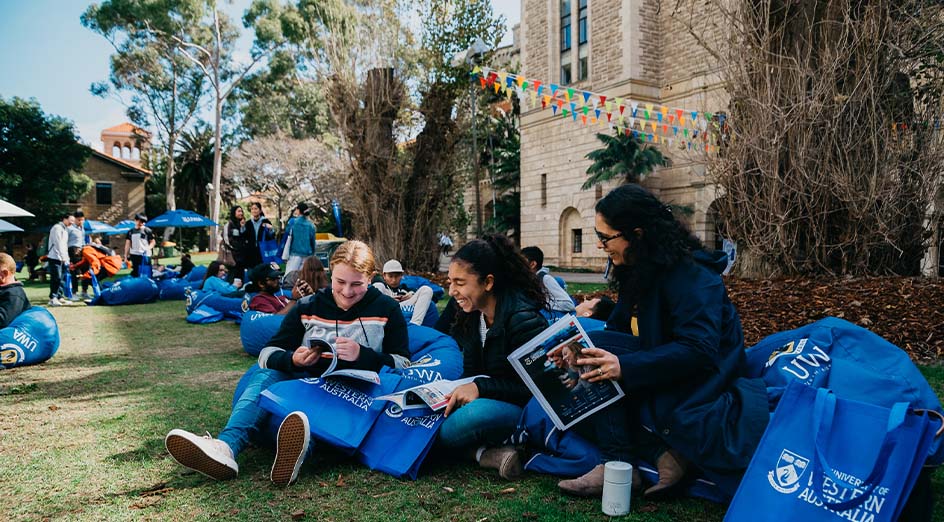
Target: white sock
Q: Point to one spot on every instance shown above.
(478, 453)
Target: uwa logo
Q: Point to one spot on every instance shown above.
(11, 354)
(803, 359)
(785, 477)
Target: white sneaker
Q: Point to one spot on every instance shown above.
(55, 302)
(290, 448)
(84, 296)
(206, 455)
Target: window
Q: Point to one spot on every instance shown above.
(565, 25)
(565, 69)
(583, 63)
(103, 193)
(543, 190)
(582, 23)
(577, 240)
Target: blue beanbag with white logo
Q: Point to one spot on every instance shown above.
(204, 315)
(128, 291)
(197, 274)
(413, 282)
(231, 307)
(31, 338)
(170, 289)
(853, 362)
(257, 328)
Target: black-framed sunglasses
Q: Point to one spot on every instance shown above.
(605, 238)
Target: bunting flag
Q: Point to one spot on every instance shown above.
(657, 124)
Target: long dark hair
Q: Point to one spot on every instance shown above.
(497, 256)
(233, 221)
(665, 240)
(313, 273)
(212, 270)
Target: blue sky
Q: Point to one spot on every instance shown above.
(46, 54)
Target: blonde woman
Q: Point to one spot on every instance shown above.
(365, 326)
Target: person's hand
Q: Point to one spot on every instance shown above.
(348, 349)
(555, 357)
(605, 365)
(460, 397)
(301, 289)
(305, 356)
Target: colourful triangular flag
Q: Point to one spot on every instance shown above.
(553, 89)
(586, 96)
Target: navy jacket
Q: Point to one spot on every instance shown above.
(688, 374)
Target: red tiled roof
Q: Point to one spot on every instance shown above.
(129, 128)
(121, 162)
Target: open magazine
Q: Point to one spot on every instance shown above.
(431, 395)
(548, 366)
(329, 351)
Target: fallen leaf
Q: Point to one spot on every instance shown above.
(323, 484)
(53, 407)
(506, 491)
(649, 508)
(298, 515)
(447, 489)
(381, 495)
(340, 483)
(482, 519)
(528, 514)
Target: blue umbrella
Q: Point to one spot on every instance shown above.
(181, 219)
(122, 227)
(97, 227)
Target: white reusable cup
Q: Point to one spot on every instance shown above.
(617, 487)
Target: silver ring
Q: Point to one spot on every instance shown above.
(600, 372)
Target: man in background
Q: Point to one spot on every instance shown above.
(57, 256)
(76, 242)
(138, 244)
(558, 301)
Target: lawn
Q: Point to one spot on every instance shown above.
(81, 438)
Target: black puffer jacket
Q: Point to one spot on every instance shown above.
(517, 321)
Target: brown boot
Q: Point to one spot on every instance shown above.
(588, 485)
(505, 459)
(672, 468)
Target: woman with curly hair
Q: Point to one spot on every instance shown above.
(498, 308)
(687, 402)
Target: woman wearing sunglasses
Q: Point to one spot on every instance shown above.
(368, 331)
(687, 403)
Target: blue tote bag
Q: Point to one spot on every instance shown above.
(341, 411)
(269, 248)
(824, 458)
(146, 270)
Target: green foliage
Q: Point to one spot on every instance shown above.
(502, 156)
(622, 156)
(40, 160)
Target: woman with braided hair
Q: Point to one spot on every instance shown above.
(687, 402)
(498, 308)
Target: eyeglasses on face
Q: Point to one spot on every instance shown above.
(605, 238)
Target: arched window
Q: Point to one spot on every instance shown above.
(136, 153)
(570, 235)
(126, 151)
(116, 150)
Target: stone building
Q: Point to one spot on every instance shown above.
(629, 49)
(117, 174)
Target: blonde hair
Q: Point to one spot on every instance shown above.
(7, 263)
(356, 254)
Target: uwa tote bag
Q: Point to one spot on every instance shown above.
(269, 247)
(824, 458)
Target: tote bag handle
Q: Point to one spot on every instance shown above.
(824, 412)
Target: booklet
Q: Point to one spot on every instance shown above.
(548, 366)
(431, 395)
(329, 351)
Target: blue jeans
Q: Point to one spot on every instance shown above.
(248, 418)
(482, 422)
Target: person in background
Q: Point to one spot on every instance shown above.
(596, 308)
(76, 241)
(313, 274)
(365, 327)
(31, 259)
(256, 228)
(498, 308)
(558, 301)
(57, 257)
(234, 241)
(415, 303)
(302, 234)
(215, 280)
(186, 266)
(265, 278)
(138, 244)
(13, 300)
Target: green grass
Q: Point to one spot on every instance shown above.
(585, 288)
(81, 438)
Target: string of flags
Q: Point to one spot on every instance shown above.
(649, 122)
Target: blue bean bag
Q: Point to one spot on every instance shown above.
(412, 282)
(231, 307)
(256, 330)
(128, 291)
(31, 338)
(434, 355)
(196, 274)
(174, 289)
